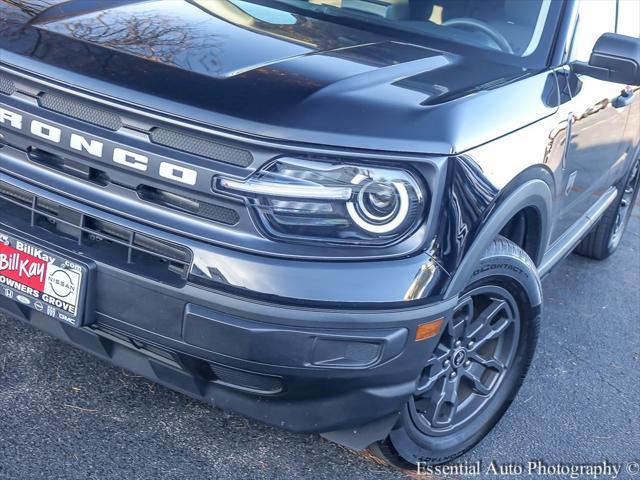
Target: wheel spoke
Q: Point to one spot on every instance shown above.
(430, 381)
(446, 404)
(439, 355)
(476, 382)
(461, 318)
(488, 333)
(435, 370)
(491, 363)
(485, 327)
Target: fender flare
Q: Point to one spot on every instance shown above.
(534, 193)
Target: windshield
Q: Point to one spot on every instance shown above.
(520, 29)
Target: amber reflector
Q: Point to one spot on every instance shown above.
(429, 329)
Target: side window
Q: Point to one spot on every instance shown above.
(595, 17)
(629, 18)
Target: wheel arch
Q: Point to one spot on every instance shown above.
(534, 198)
(524, 229)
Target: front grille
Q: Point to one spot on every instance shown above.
(80, 110)
(95, 238)
(6, 86)
(201, 146)
(202, 213)
(173, 201)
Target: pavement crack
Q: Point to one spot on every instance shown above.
(601, 377)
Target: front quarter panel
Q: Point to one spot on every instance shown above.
(491, 183)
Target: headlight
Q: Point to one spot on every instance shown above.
(303, 200)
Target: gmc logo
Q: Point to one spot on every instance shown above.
(120, 156)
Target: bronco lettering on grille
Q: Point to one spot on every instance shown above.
(120, 156)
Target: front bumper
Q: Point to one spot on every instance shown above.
(279, 352)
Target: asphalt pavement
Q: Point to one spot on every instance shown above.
(64, 414)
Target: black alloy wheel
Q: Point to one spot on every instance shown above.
(470, 361)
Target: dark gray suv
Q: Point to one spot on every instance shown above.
(328, 215)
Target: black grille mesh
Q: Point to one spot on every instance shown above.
(218, 213)
(6, 86)
(80, 110)
(97, 115)
(210, 211)
(202, 147)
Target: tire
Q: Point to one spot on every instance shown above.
(605, 237)
(504, 295)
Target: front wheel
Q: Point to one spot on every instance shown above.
(478, 366)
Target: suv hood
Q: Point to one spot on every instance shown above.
(270, 73)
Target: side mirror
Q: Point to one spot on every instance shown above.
(615, 58)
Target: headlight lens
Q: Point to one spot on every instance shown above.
(303, 200)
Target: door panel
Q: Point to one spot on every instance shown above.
(595, 127)
(629, 24)
(596, 143)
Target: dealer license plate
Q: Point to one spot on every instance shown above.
(42, 280)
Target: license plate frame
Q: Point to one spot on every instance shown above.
(42, 279)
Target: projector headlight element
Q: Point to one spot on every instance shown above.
(304, 200)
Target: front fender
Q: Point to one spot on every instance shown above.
(534, 194)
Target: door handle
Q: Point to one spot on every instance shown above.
(625, 99)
